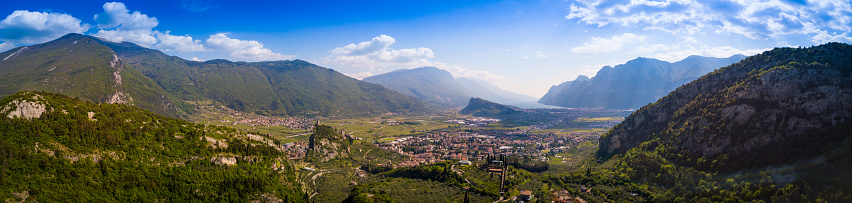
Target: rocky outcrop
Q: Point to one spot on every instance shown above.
(220, 160)
(25, 108)
(783, 105)
(326, 144)
(119, 97)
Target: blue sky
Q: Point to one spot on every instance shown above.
(522, 46)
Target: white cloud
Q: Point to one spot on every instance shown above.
(761, 19)
(178, 43)
(823, 37)
(117, 16)
(648, 48)
(360, 76)
(6, 46)
(380, 43)
(603, 45)
(244, 49)
(196, 59)
(719, 52)
(537, 55)
(458, 71)
(377, 53)
(26, 27)
(142, 38)
(119, 25)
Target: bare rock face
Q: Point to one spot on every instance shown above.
(230, 161)
(781, 106)
(27, 109)
(326, 144)
(214, 143)
(330, 149)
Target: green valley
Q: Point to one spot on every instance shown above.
(87, 119)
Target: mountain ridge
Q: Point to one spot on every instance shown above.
(439, 86)
(160, 83)
(633, 84)
(783, 105)
(427, 83)
(79, 66)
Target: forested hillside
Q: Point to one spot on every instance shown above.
(774, 127)
(270, 87)
(54, 148)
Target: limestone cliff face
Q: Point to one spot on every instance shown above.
(776, 107)
(27, 108)
(326, 144)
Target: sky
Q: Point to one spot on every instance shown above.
(521, 46)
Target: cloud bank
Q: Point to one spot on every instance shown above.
(614, 43)
(244, 49)
(117, 23)
(821, 21)
(377, 53)
(28, 27)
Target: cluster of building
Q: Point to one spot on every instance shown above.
(296, 150)
(254, 120)
(437, 146)
(473, 121)
(290, 122)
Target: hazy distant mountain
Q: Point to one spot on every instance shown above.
(633, 84)
(775, 108)
(439, 86)
(561, 89)
(427, 83)
(103, 71)
(491, 92)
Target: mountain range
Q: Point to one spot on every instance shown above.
(784, 106)
(107, 72)
(633, 84)
(439, 86)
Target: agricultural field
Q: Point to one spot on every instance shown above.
(573, 159)
(599, 119)
(387, 128)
